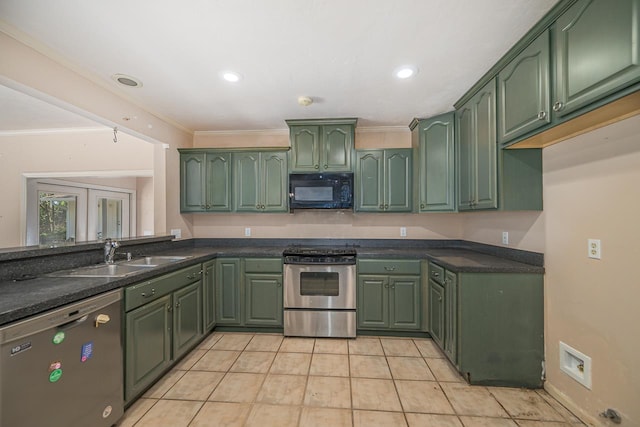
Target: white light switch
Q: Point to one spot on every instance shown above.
(403, 231)
(595, 251)
(247, 232)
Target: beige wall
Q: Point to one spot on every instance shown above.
(31, 69)
(320, 224)
(591, 190)
(82, 155)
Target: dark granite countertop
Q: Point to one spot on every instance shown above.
(24, 298)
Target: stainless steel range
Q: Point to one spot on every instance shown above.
(320, 291)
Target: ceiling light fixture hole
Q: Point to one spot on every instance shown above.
(127, 80)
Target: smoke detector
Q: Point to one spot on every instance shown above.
(305, 101)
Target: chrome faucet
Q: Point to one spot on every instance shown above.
(110, 247)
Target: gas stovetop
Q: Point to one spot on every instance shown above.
(319, 255)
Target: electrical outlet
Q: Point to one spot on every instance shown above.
(505, 237)
(403, 231)
(176, 232)
(595, 250)
(247, 232)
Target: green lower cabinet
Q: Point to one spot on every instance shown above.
(436, 313)
(389, 301)
(228, 291)
(148, 345)
(163, 320)
(263, 299)
(187, 318)
(249, 292)
(208, 295)
(492, 326)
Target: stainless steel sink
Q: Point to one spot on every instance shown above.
(120, 269)
(104, 270)
(154, 261)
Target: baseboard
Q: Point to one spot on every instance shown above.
(585, 417)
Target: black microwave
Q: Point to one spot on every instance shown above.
(321, 190)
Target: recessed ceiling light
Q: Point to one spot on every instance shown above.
(231, 76)
(405, 72)
(127, 80)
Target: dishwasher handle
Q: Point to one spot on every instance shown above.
(73, 323)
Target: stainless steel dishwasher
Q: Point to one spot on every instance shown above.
(63, 368)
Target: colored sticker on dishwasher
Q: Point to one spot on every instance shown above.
(87, 351)
(55, 375)
(55, 365)
(58, 337)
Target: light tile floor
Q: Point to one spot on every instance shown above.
(250, 379)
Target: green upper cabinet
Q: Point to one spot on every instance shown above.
(383, 180)
(477, 151)
(260, 180)
(321, 145)
(597, 52)
(524, 91)
(205, 181)
(433, 142)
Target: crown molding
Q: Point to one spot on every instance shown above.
(54, 131)
(255, 132)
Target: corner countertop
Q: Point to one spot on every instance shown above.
(22, 299)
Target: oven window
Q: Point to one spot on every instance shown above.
(322, 194)
(319, 284)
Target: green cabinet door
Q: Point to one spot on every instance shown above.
(404, 302)
(383, 180)
(273, 177)
(433, 141)
(465, 157)
(436, 313)
(148, 345)
(228, 291)
(369, 181)
(260, 180)
(450, 344)
(208, 296)
(321, 145)
(524, 91)
(597, 52)
(373, 302)
(218, 182)
(263, 299)
(246, 182)
(336, 148)
(486, 148)
(398, 180)
(193, 182)
(305, 148)
(205, 181)
(477, 151)
(187, 318)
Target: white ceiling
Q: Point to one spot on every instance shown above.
(342, 53)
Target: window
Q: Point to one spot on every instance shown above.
(61, 212)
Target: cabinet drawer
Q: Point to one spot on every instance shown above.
(263, 265)
(389, 266)
(150, 290)
(436, 273)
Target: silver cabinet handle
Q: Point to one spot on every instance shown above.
(558, 106)
(439, 298)
(434, 274)
(278, 284)
(386, 285)
(316, 166)
(386, 206)
(390, 268)
(208, 206)
(542, 115)
(421, 205)
(326, 166)
(178, 305)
